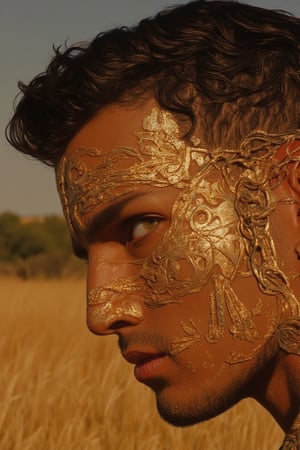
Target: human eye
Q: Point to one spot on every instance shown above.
(140, 227)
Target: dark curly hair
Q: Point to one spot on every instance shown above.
(231, 68)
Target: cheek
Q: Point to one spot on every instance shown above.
(200, 265)
(243, 334)
(202, 241)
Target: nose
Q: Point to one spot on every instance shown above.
(114, 298)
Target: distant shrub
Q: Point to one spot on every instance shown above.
(10, 231)
(36, 248)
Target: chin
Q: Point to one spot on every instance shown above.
(190, 411)
(179, 418)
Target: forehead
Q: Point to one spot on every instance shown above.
(112, 127)
(122, 149)
(119, 152)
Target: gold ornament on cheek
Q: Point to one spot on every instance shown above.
(191, 336)
(203, 242)
(200, 237)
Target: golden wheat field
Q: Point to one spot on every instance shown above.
(63, 388)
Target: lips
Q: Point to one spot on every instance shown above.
(136, 357)
(147, 365)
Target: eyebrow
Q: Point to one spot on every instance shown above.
(103, 218)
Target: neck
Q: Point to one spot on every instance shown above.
(277, 388)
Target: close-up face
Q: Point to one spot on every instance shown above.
(173, 267)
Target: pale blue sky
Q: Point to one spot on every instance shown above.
(28, 30)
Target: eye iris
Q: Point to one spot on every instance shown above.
(143, 227)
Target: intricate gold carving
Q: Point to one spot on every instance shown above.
(242, 326)
(289, 335)
(292, 439)
(115, 304)
(237, 357)
(192, 336)
(208, 239)
(200, 239)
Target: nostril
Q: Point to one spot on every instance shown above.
(119, 324)
(101, 327)
(107, 317)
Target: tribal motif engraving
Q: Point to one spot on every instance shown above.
(192, 336)
(289, 335)
(208, 239)
(292, 438)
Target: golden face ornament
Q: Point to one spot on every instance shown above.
(208, 241)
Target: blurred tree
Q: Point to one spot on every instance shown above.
(33, 239)
(10, 228)
(36, 248)
(57, 229)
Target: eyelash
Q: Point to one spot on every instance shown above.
(126, 232)
(134, 221)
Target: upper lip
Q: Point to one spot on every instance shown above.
(140, 357)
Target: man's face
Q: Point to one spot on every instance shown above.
(168, 270)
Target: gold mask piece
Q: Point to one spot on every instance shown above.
(207, 239)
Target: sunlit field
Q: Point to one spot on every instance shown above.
(64, 389)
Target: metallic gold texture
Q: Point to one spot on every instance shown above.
(208, 239)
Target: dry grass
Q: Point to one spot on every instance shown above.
(62, 388)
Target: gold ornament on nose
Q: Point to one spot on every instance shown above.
(209, 239)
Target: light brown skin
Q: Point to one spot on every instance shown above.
(196, 381)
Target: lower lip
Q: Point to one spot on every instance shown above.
(150, 369)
